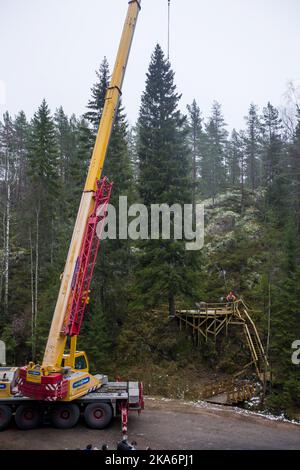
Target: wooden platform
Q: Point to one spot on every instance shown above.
(212, 319)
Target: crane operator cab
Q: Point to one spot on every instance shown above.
(81, 362)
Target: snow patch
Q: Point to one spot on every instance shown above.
(235, 409)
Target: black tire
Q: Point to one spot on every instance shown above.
(65, 416)
(28, 417)
(5, 416)
(98, 415)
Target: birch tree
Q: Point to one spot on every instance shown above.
(6, 141)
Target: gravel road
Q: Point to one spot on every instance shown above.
(170, 425)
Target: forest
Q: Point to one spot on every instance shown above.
(249, 183)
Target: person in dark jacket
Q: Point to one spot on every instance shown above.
(124, 446)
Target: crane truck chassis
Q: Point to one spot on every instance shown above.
(98, 407)
(61, 387)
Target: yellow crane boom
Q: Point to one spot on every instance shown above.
(56, 341)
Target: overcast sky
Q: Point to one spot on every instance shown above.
(233, 51)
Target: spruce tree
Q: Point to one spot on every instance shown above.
(98, 91)
(64, 144)
(117, 164)
(41, 206)
(43, 156)
(285, 321)
(85, 140)
(214, 155)
(21, 130)
(112, 269)
(253, 148)
(275, 159)
(234, 157)
(195, 137)
(295, 168)
(164, 271)
(272, 126)
(44, 176)
(162, 151)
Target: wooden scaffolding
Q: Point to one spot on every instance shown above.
(211, 319)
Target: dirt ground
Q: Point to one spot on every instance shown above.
(169, 425)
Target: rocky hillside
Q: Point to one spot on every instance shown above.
(234, 251)
(152, 346)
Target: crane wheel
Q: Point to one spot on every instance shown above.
(65, 416)
(28, 417)
(98, 415)
(5, 416)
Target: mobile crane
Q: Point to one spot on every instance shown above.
(62, 386)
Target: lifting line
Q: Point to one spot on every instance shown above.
(169, 13)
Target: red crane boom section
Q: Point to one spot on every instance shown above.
(86, 261)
